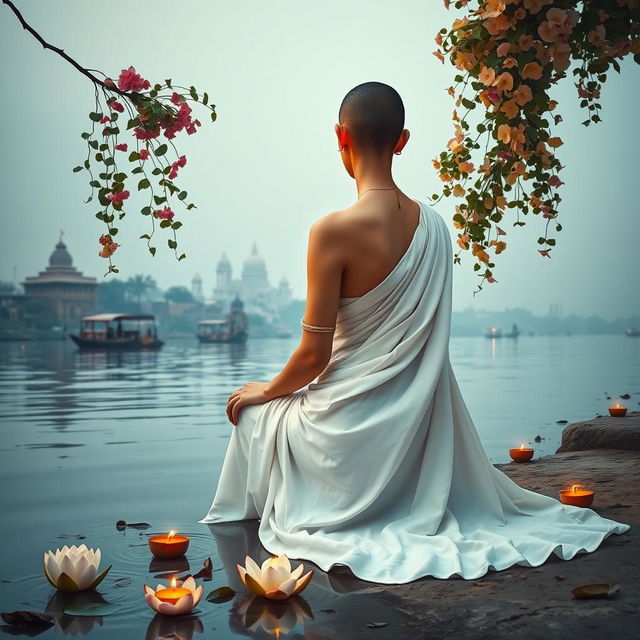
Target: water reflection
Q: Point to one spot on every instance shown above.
(173, 627)
(74, 625)
(255, 616)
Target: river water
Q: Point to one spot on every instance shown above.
(89, 438)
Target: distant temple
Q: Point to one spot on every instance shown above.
(68, 294)
(252, 287)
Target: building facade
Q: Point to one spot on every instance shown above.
(253, 286)
(67, 294)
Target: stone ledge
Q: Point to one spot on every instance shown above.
(603, 432)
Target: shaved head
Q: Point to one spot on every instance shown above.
(373, 113)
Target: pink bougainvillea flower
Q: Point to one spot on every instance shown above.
(465, 167)
(176, 98)
(491, 279)
(108, 246)
(114, 105)
(458, 191)
(554, 181)
(438, 55)
(104, 239)
(504, 133)
(531, 70)
(465, 61)
(533, 6)
(105, 119)
(555, 142)
(164, 214)
(146, 134)
(498, 25)
(122, 146)
(525, 42)
(544, 252)
(129, 80)
(117, 197)
(108, 82)
(143, 154)
(501, 232)
(510, 62)
(438, 39)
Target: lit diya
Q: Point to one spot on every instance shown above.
(618, 411)
(523, 454)
(173, 600)
(168, 546)
(576, 496)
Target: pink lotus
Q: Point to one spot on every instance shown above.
(182, 606)
(274, 579)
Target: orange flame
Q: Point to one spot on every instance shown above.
(173, 582)
(171, 534)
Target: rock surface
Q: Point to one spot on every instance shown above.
(522, 602)
(603, 432)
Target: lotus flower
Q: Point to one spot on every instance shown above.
(182, 606)
(74, 568)
(274, 579)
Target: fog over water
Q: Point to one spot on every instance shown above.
(268, 167)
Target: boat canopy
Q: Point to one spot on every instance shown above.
(111, 317)
(208, 323)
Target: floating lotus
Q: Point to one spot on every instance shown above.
(74, 568)
(274, 579)
(174, 601)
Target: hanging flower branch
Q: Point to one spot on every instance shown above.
(135, 122)
(509, 54)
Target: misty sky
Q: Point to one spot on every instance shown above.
(277, 72)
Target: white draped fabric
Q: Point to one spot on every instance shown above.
(377, 464)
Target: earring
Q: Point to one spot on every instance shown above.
(341, 148)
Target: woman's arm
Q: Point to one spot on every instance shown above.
(325, 264)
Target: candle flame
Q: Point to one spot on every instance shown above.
(574, 488)
(522, 446)
(171, 534)
(277, 630)
(173, 582)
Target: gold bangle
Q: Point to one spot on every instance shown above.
(316, 329)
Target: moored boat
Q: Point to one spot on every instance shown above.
(118, 331)
(493, 332)
(633, 332)
(219, 331)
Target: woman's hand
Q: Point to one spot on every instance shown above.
(249, 393)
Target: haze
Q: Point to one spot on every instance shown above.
(268, 167)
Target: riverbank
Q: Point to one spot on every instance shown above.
(532, 603)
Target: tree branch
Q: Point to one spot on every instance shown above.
(86, 72)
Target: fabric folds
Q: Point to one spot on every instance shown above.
(377, 464)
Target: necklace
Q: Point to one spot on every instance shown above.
(382, 189)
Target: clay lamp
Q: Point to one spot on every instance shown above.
(618, 411)
(523, 454)
(168, 546)
(576, 497)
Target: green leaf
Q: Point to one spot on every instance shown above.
(152, 251)
(94, 183)
(85, 136)
(182, 195)
(145, 236)
(93, 144)
(193, 93)
(191, 206)
(168, 83)
(113, 231)
(109, 161)
(172, 243)
(161, 150)
(221, 594)
(213, 116)
(94, 608)
(137, 170)
(86, 164)
(99, 157)
(95, 117)
(159, 199)
(145, 211)
(205, 98)
(156, 172)
(165, 223)
(76, 169)
(134, 155)
(176, 225)
(182, 256)
(143, 184)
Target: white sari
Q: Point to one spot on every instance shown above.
(377, 464)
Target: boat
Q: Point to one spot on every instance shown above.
(514, 333)
(633, 332)
(493, 332)
(233, 328)
(118, 331)
(220, 331)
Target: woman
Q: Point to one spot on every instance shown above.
(361, 452)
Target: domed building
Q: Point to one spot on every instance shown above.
(252, 287)
(68, 294)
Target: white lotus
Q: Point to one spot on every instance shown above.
(74, 568)
(274, 579)
(182, 606)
